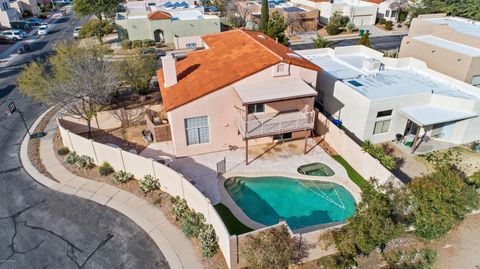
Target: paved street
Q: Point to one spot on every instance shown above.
(42, 228)
(380, 43)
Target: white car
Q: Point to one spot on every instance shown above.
(76, 31)
(43, 30)
(14, 34)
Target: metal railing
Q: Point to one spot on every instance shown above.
(262, 124)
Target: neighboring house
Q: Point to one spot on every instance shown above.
(178, 23)
(243, 89)
(299, 19)
(360, 12)
(377, 98)
(7, 14)
(22, 5)
(450, 45)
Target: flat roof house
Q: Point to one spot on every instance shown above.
(167, 22)
(244, 88)
(7, 14)
(360, 12)
(377, 98)
(450, 45)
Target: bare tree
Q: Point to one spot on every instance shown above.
(76, 78)
(399, 5)
(294, 20)
(239, 12)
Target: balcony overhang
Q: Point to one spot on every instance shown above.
(274, 90)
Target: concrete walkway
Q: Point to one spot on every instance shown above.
(178, 250)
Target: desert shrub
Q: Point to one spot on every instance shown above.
(63, 151)
(208, 241)
(399, 25)
(192, 223)
(72, 158)
(350, 27)
(271, 248)
(388, 25)
(333, 29)
(148, 43)
(440, 201)
(122, 176)
(84, 162)
(136, 43)
(382, 21)
(126, 44)
(378, 152)
(320, 42)
(105, 169)
(474, 179)
(422, 258)
(180, 208)
(42, 16)
(148, 183)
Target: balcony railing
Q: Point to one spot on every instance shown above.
(265, 124)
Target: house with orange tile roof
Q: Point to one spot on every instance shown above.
(360, 12)
(243, 89)
(181, 24)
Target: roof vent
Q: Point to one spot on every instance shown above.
(261, 36)
(371, 64)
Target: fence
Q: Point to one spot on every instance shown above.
(175, 184)
(366, 165)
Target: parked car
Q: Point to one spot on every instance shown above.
(76, 31)
(14, 34)
(43, 30)
(24, 48)
(152, 51)
(34, 21)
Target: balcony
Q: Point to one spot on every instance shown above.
(267, 124)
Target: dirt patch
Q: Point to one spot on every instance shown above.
(134, 100)
(127, 138)
(158, 198)
(468, 160)
(34, 144)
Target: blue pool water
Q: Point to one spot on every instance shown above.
(301, 203)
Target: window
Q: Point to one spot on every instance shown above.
(191, 45)
(476, 81)
(256, 108)
(381, 127)
(355, 83)
(384, 113)
(387, 13)
(281, 68)
(394, 14)
(197, 130)
(284, 136)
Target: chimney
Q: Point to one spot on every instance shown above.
(169, 70)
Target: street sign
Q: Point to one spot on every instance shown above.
(12, 107)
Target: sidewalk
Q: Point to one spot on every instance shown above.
(177, 249)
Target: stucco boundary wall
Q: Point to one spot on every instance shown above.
(171, 182)
(364, 163)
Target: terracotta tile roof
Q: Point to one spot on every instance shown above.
(376, 1)
(230, 57)
(159, 15)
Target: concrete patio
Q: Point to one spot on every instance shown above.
(425, 147)
(285, 157)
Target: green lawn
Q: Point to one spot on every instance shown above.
(234, 226)
(354, 175)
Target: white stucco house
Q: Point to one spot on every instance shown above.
(7, 14)
(360, 12)
(378, 98)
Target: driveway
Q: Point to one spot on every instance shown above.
(42, 228)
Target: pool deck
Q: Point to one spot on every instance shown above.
(272, 159)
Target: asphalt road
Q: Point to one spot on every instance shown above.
(380, 43)
(42, 228)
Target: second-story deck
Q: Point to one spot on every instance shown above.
(266, 124)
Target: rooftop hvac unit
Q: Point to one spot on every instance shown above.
(371, 64)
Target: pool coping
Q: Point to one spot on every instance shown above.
(227, 200)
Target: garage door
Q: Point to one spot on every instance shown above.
(362, 20)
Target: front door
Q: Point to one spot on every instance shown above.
(411, 128)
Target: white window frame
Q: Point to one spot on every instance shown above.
(382, 124)
(281, 69)
(192, 45)
(198, 133)
(476, 81)
(255, 108)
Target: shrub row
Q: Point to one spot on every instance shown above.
(83, 161)
(195, 226)
(379, 153)
(129, 44)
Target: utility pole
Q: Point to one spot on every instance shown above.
(12, 108)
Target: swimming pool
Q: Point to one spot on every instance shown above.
(301, 203)
(316, 169)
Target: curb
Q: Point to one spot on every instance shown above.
(148, 217)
